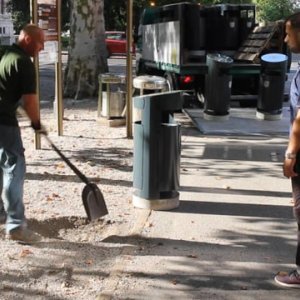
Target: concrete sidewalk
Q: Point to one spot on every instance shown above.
(234, 229)
(242, 121)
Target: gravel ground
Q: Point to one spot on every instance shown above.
(73, 260)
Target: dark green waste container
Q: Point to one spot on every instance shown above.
(156, 164)
(222, 27)
(218, 83)
(271, 88)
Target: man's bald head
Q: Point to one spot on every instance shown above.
(31, 39)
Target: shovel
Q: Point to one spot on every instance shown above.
(92, 198)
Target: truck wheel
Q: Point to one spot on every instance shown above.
(171, 81)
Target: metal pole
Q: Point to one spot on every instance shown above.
(58, 74)
(129, 69)
(34, 19)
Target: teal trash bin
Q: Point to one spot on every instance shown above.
(156, 165)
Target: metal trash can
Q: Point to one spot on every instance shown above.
(156, 159)
(147, 84)
(271, 87)
(218, 83)
(111, 96)
(150, 84)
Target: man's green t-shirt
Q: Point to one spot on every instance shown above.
(17, 77)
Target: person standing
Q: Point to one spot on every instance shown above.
(18, 86)
(292, 29)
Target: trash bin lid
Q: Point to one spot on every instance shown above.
(220, 58)
(274, 57)
(149, 82)
(112, 78)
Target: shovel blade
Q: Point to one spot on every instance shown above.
(93, 201)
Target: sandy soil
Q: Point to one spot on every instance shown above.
(74, 258)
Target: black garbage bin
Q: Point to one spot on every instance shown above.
(217, 87)
(222, 27)
(271, 87)
(246, 21)
(156, 164)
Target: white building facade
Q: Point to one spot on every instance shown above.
(6, 25)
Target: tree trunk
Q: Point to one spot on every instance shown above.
(87, 51)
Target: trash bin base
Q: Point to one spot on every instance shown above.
(113, 122)
(210, 117)
(274, 116)
(156, 204)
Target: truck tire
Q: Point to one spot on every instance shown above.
(171, 81)
(140, 68)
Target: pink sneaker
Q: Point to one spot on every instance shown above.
(290, 280)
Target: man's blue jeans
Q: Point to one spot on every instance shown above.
(12, 163)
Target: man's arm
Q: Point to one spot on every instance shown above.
(293, 148)
(30, 105)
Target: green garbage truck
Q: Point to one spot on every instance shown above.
(174, 42)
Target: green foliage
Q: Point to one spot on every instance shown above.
(115, 14)
(115, 11)
(20, 11)
(65, 15)
(211, 2)
(65, 42)
(273, 10)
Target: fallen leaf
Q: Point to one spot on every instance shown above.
(174, 281)
(59, 166)
(89, 262)
(226, 187)
(25, 252)
(192, 256)
(7, 288)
